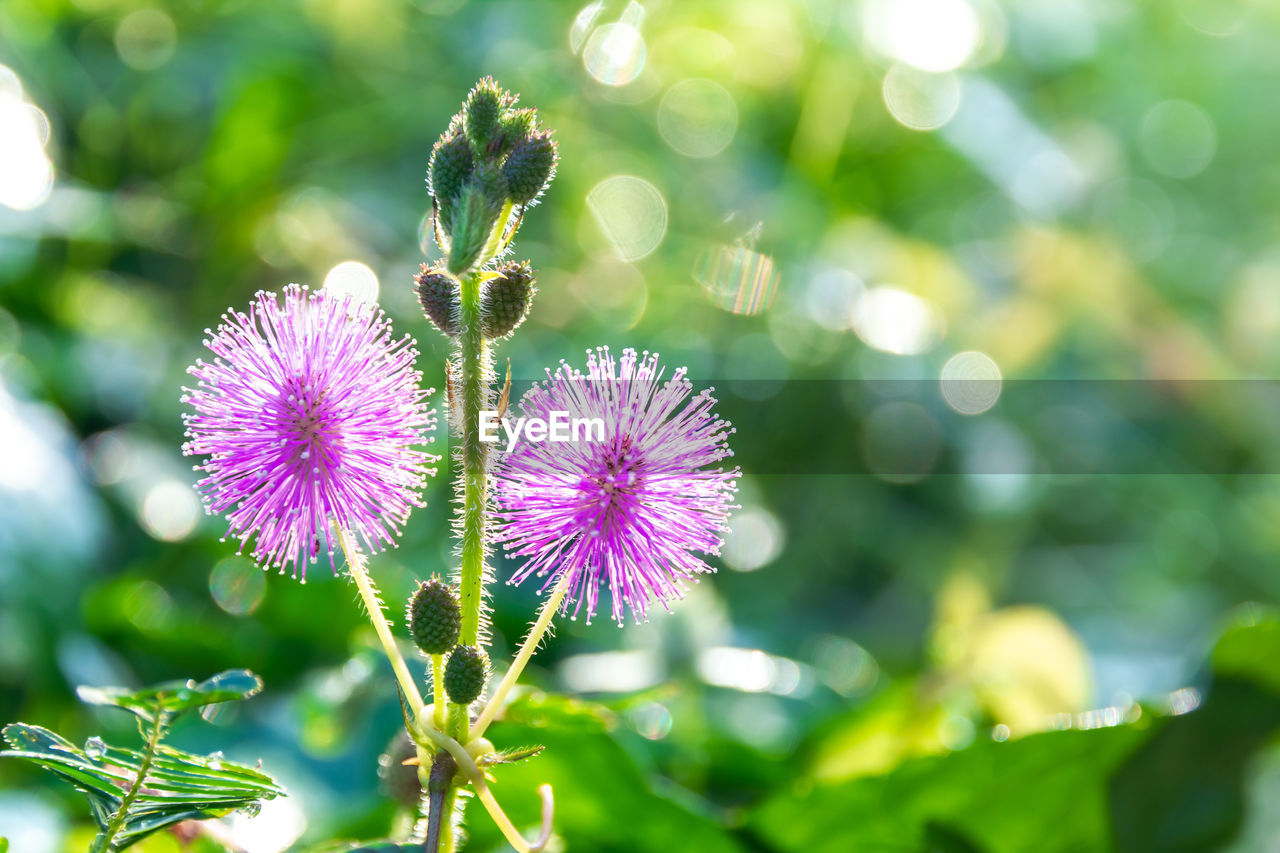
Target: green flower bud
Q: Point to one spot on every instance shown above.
(515, 127)
(451, 167)
(465, 674)
(482, 111)
(434, 617)
(530, 167)
(438, 293)
(474, 217)
(506, 299)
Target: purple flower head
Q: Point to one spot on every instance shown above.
(311, 415)
(631, 509)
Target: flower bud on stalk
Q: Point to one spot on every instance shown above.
(434, 617)
(465, 674)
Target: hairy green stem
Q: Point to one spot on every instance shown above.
(448, 825)
(103, 841)
(437, 689)
(530, 645)
(475, 373)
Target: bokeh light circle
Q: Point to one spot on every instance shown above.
(971, 382)
(631, 212)
(146, 39)
(920, 100)
(614, 54)
(698, 117)
(1178, 138)
(237, 585)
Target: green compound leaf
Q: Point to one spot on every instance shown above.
(179, 786)
(174, 697)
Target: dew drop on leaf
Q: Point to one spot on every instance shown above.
(95, 748)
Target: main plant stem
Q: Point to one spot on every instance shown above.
(103, 842)
(475, 372)
(475, 458)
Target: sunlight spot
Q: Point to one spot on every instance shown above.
(932, 35)
(26, 173)
(354, 279)
(611, 672)
(897, 322)
(751, 671)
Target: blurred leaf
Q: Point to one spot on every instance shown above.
(1184, 789)
(4, 845)
(1002, 796)
(1250, 649)
(603, 799)
(174, 697)
(1161, 785)
(178, 786)
(537, 709)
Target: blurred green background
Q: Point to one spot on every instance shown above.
(958, 646)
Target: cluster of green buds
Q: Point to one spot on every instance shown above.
(434, 618)
(486, 169)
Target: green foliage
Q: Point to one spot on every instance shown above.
(132, 793)
(174, 697)
(178, 786)
(1158, 785)
(600, 790)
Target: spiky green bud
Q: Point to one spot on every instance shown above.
(465, 674)
(451, 166)
(474, 217)
(482, 112)
(530, 167)
(438, 294)
(434, 617)
(506, 299)
(515, 127)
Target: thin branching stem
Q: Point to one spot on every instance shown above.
(369, 594)
(530, 645)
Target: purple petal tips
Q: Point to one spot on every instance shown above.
(630, 509)
(310, 414)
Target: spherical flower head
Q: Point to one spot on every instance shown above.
(632, 507)
(311, 414)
